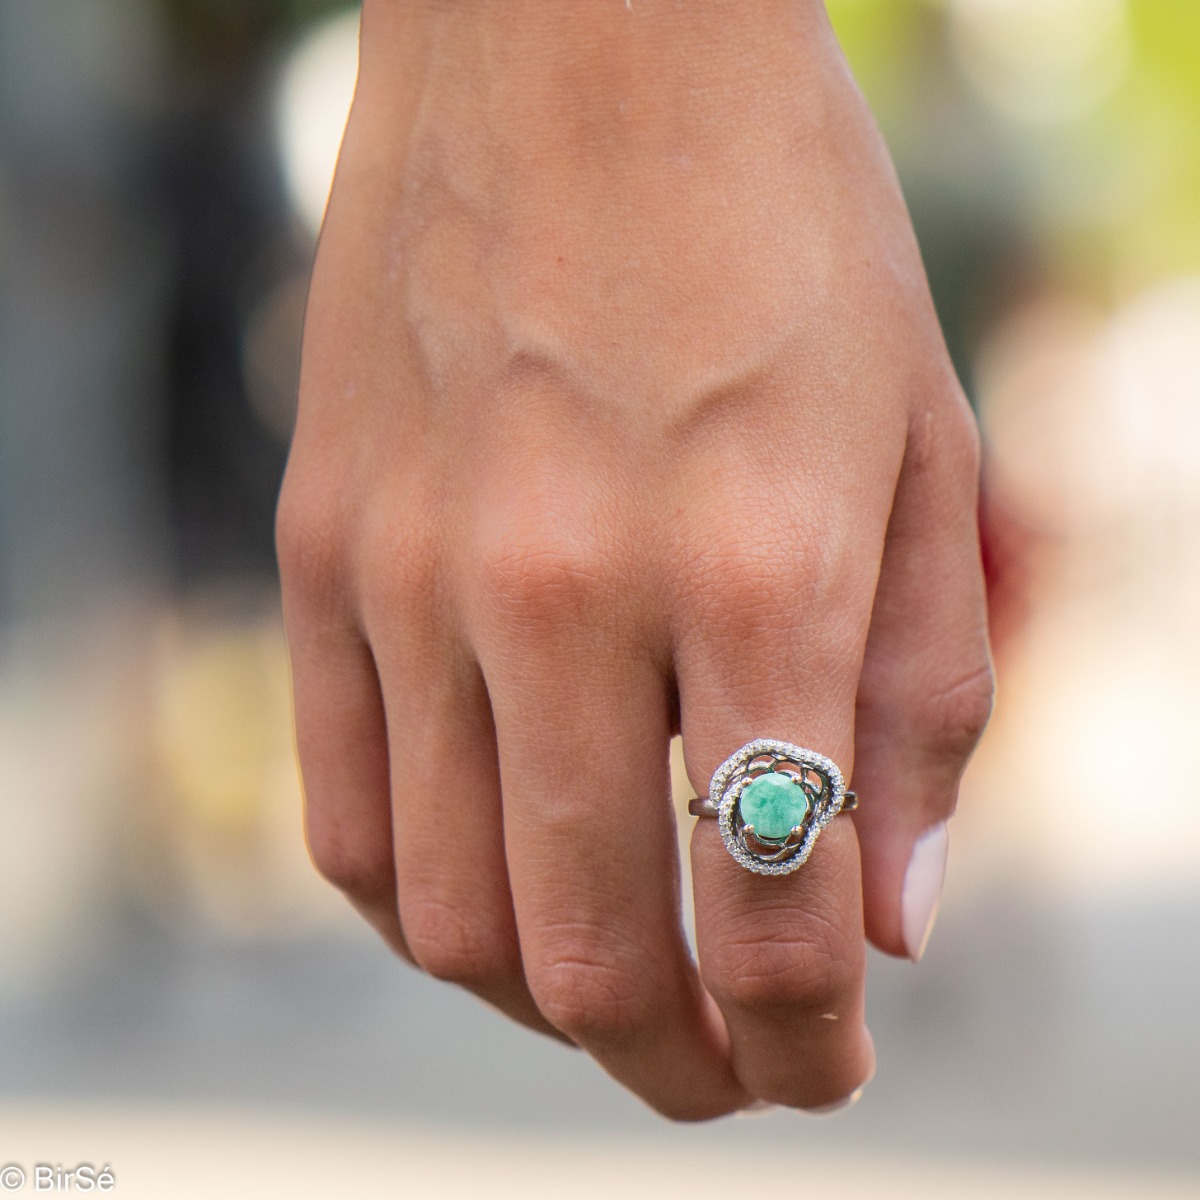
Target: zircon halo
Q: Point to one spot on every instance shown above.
(772, 799)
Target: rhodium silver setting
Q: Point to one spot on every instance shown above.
(823, 786)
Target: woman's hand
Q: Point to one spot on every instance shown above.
(625, 410)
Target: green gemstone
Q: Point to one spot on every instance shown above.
(774, 804)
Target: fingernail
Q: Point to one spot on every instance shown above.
(923, 888)
(827, 1110)
(756, 1108)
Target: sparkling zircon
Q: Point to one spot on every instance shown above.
(774, 804)
(734, 777)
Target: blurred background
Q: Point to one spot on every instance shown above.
(174, 977)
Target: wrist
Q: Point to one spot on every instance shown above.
(705, 24)
(579, 60)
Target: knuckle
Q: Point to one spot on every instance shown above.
(944, 439)
(542, 579)
(307, 541)
(457, 947)
(962, 424)
(783, 604)
(955, 717)
(752, 590)
(754, 584)
(797, 972)
(965, 448)
(592, 997)
(363, 871)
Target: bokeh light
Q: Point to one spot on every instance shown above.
(314, 100)
(1042, 61)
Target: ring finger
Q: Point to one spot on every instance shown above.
(783, 955)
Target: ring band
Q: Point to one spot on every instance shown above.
(771, 800)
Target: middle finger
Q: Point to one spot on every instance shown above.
(582, 729)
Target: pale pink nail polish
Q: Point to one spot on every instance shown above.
(757, 1108)
(827, 1110)
(923, 888)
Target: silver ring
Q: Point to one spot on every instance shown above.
(771, 800)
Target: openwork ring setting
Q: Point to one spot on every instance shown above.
(771, 800)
